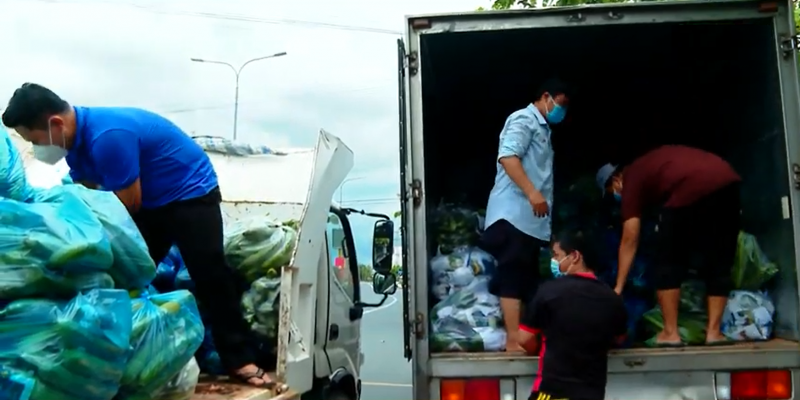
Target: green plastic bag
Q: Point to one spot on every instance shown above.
(261, 306)
(166, 332)
(751, 268)
(259, 247)
(65, 350)
(691, 326)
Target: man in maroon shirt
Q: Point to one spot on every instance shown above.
(698, 193)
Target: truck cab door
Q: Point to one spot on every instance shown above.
(342, 339)
(404, 195)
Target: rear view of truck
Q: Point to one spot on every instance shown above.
(717, 75)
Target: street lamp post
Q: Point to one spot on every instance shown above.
(238, 72)
(341, 187)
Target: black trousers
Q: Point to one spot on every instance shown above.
(195, 227)
(536, 395)
(517, 255)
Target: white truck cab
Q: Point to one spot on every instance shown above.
(319, 346)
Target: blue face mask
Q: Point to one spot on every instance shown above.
(555, 268)
(557, 114)
(617, 197)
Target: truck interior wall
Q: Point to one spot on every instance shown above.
(709, 85)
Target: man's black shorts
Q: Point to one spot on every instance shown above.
(706, 231)
(517, 256)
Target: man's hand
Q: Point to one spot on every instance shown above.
(619, 288)
(538, 203)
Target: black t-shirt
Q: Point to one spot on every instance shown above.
(579, 320)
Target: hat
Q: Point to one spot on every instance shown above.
(603, 174)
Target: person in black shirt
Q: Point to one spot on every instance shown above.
(577, 320)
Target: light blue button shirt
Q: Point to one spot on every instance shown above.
(527, 136)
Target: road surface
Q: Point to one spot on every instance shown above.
(385, 375)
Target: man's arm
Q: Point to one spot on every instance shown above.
(513, 144)
(116, 159)
(627, 250)
(532, 323)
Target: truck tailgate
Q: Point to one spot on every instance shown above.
(776, 353)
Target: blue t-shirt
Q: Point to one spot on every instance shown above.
(114, 146)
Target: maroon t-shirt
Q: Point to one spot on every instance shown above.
(672, 176)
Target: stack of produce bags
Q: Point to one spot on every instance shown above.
(258, 248)
(465, 317)
(65, 350)
(64, 333)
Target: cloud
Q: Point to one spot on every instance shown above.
(137, 53)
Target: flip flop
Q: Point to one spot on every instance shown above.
(244, 377)
(652, 342)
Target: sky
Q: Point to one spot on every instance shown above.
(340, 73)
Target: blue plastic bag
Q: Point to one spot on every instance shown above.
(167, 331)
(72, 350)
(13, 183)
(133, 267)
(51, 249)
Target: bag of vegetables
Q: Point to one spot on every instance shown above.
(751, 268)
(13, 184)
(167, 330)
(261, 305)
(65, 350)
(49, 244)
(132, 268)
(259, 247)
(468, 320)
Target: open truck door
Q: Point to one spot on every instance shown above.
(404, 195)
(333, 160)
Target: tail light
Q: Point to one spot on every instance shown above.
(755, 385)
(469, 389)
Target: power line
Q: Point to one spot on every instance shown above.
(237, 18)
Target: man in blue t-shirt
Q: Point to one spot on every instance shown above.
(167, 183)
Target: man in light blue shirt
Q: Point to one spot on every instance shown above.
(518, 213)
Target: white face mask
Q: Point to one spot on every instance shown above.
(50, 154)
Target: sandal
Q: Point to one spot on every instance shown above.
(720, 342)
(245, 377)
(653, 342)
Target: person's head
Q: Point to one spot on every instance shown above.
(40, 116)
(609, 180)
(573, 252)
(552, 100)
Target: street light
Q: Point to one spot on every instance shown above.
(237, 72)
(341, 187)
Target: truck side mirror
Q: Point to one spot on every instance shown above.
(383, 246)
(384, 284)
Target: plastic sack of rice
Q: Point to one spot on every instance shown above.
(182, 385)
(748, 316)
(166, 332)
(76, 350)
(51, 249)
(458, 269)
(259, 247)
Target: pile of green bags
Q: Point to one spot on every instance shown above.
(259, 247)
(76, 350)
(166, 332)
(51, 249)
(751, 268)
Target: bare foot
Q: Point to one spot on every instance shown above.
(665, 338)
(714, 337)
(252, 375)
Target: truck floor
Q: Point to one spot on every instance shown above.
(221, 388)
